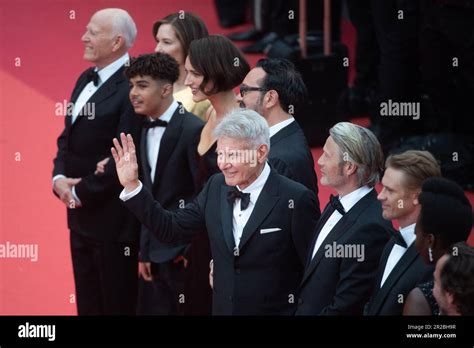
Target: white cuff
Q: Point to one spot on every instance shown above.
(125, 196)
(56, 177)
(75, 196)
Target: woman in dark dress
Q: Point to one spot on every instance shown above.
(214, 67)
(445, 218)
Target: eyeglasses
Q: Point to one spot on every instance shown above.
(245, 89)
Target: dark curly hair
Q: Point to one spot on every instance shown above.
(160, 66)
(457, 277)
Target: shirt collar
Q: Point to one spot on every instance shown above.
(279, 126)
(349, 200)
(258, 184)
(408, 234)
(112, 68)
(166, 116)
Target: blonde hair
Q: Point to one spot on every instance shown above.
(361, 147)
(416, 165)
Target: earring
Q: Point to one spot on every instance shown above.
(430, 254)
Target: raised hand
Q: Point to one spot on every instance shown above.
(125, 157)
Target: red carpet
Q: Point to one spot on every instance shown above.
(41, 58)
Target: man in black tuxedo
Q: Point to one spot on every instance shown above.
(351, 232)
(273, 88)
(169, 165)
(280, 87)
(104, 235)
(259, 222)
(401, 267)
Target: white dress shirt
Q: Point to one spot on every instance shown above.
(279, 126)
(408, 234)
(240, 217)
(153, 138)
(88, 91)
(347, 201)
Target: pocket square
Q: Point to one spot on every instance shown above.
(269, 230)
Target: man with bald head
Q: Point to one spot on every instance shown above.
(103, 234)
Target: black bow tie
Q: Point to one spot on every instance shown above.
(244, 198)
(399, 240)
(93, 76)
(337, 205)
(155, 123)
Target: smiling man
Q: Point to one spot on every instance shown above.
(104, 235)
(401, 267)
(259, 222)
(170, 172)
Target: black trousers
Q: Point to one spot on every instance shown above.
(197, 289)
(105, 276)
(164, 295)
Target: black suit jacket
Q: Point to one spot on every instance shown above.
(262, 275)
(176, 178)
(290, 156)
(87, 141)
(342, 285)
(409, 271)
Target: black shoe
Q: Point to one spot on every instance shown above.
(261, 45)
(249, 35)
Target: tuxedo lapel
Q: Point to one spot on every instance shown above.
(226, 210)
(168, 143)
(146, 169)
(343, 225)
(322, 220)
(106, 90)
(400, 268)
(283, 133)
(264, 205)
(75, 94)
(80, 86)
(383, 261)
(338, 230)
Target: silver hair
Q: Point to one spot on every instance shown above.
(361, 147)
(122, 24)
(245, 124)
